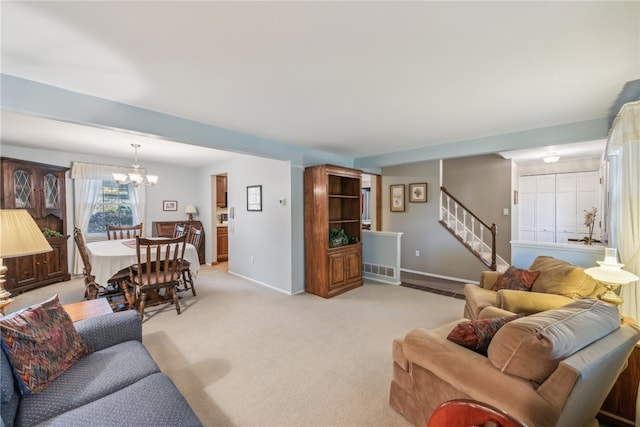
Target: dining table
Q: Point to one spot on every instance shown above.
(110, 256)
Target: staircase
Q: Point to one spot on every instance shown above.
(471, 231)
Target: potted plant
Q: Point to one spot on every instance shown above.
(590, 221)
(50, 233)
(338, 237)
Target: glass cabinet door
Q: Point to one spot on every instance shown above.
(51, 192)
(23, 185)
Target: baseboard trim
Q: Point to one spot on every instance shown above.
(439, 276)
(266, 285)
(377, 279)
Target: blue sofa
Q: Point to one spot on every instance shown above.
(117, 384)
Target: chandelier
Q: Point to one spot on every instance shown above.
(136, 177)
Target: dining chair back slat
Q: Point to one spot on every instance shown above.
(120, 232)
(179, 230)
(195, 237)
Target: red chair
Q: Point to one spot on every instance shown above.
(470, 413)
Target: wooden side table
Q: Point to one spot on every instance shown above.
(619, 408)
(86, 309)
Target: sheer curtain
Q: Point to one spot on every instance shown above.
(87, 183)
(623, 150)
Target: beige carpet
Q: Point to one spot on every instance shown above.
(246, 355)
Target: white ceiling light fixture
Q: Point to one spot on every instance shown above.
(136, 176)
(551, 158)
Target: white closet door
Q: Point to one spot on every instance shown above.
(527, 208)
(566, 220)
(545, 208)
(588, 197)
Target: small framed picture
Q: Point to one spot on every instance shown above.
(254, 197)
(397, 198)
(169, 205)
(418, 192)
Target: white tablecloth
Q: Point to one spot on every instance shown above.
(110, 256)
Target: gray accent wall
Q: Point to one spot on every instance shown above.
(440, 253)
(483, 185)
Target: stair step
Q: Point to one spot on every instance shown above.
(474, 244)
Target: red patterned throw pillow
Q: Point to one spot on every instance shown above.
(518, 279)
(477, 334)
(41, 343)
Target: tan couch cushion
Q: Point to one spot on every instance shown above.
(531, 347)
(561, 278)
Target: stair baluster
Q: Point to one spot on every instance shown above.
(476, 241)
(464, 225)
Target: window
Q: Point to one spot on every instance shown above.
(113, 206)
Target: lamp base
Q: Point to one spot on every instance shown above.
(4, 294)
(611, 297)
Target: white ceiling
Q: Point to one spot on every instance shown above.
(35, 132)
(354, 78)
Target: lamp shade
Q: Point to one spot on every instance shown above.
(190, 209)
(610, 271)
(20, 235)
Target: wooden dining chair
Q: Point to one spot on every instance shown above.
(194, 237)
(93, 289)
(470, 413)
(120, 232)
(157, 268)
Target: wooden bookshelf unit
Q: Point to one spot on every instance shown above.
(332, 200)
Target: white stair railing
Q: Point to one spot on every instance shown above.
(470, 230)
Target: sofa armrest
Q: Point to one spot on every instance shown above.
(488, 278)
(474, 375)
(493, 312)
(528, 302)
(110, 329)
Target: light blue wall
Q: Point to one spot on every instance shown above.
(268, 235)
(189, 186)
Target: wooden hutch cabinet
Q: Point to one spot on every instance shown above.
(332, 201)
(40, 189)
(165, 229)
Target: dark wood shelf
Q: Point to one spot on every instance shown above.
(332, 200)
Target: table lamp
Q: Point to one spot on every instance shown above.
(190, 210)
(19, 236)
(612, 276)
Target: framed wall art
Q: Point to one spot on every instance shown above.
(418, 192)
(169, 205)
(397, 198)
(254, 198)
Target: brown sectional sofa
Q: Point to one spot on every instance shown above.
(553, 368)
